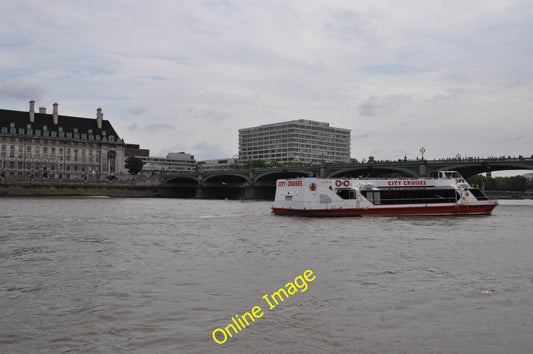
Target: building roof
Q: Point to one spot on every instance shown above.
(305, 122)
(22, 119)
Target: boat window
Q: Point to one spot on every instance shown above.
(346, 193)
(478, 194)
(288, 197)
(396, 196)
(373, 197)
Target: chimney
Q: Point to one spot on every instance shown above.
(32, 111)
(55, 116)
(42, 110)
(99, 118)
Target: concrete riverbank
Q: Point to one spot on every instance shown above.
(60, 189)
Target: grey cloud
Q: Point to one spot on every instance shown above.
(159, 127)
(391, 69)
(23, 88)
(375, 104)
(136, 111)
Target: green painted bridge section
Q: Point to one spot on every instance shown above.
(260, 182)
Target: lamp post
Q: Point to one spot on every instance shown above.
(422, 151)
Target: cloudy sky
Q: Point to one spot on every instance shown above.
(455, 77)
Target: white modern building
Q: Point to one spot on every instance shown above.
(218, 164)
(297, 140)
(175, 162)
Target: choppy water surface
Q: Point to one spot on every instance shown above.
(159, 275)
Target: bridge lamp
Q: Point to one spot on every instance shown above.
(422, 151)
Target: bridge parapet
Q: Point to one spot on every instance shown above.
(250, 182)
(408, 168)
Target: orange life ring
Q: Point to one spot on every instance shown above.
(346, 183)
(338, 183)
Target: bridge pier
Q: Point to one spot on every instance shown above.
(199, 187)
(249, 191)
(422, 168)
(198, 193)
(322, 171)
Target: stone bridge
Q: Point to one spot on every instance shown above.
(260, 182)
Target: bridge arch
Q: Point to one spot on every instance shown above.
(277, 174)
(226, 178)
(373, 171)
(265, 183)
(181, 186)
(468, 169)
(225, 186)
(181, 179)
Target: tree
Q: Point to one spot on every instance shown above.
(134, 165)
(516, 183)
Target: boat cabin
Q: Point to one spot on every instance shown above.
(446, 175)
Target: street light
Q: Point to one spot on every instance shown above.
(422, 151)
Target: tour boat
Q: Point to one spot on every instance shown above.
(447, 193)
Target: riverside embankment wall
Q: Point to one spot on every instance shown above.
(88, 189)
(153, 188)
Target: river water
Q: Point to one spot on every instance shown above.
(160, 275)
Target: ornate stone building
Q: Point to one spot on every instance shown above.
(37, 144)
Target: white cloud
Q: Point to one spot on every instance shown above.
(452, 76)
